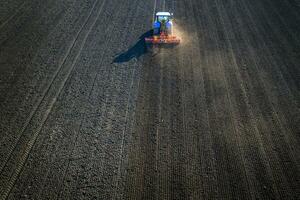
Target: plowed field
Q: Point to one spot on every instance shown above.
(87, 111)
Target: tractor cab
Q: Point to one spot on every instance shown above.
(163, 23)
(163, 16)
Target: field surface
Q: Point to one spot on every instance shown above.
(88, 112)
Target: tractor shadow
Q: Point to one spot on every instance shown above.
(135, 51)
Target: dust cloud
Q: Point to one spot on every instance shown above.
(180, 32)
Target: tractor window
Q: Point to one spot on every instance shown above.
(162, 18)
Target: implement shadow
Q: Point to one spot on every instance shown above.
(135, 51)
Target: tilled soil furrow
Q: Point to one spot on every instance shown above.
(8, 8)
(20, 42)
(143, 164)
(127, 132)
(279, 38)
(254, 99)
(73, 110)
(24, 145)
(172, 134)
(113, 125)
(286, 47)
(164, 176)
(88, 111)
(252, 146)
(287, 112)
(13, 15)
(225, 134)
(39, 70)
(146, 166)
(109, 131)
(176, 135)
(287, 7)
(288, 20)
(273, 94)
(200, 154)
(82, 109)
(29, 101)
(280, 136)
(59, 71)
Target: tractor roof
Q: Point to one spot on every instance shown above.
(163, 14)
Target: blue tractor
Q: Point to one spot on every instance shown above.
(163, 30)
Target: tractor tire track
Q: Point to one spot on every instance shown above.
(106, 104)
(282, 149)
(215, 117)
(22, 158)
(13, 37)
(199, 146)
(28, 105)
(12, 16)
(47, 89)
